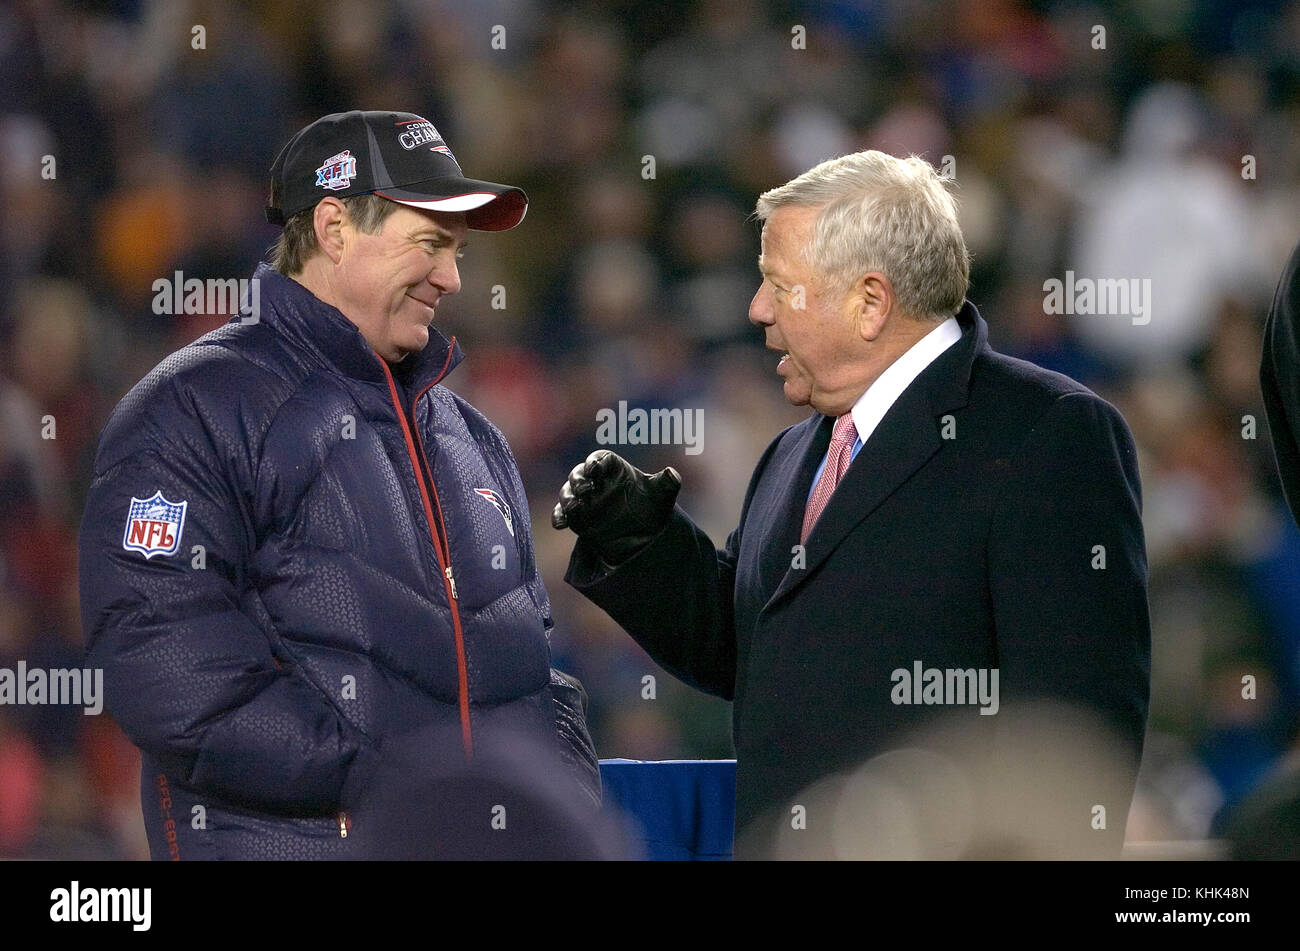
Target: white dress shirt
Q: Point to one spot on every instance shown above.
(872, 405)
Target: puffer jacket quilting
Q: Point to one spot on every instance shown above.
(263, 580)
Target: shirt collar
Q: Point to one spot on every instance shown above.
(872, 405)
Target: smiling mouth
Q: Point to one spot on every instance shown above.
(431, 307)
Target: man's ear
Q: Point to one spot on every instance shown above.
(871, 298)
(328, 220)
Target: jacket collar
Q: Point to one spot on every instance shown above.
(950, 387)
(309, 324)
(907, 436)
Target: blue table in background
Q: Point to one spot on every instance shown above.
(679, 810)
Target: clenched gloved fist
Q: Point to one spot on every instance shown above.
(614, 506)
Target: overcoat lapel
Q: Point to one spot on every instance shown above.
(902, 443)
(792, 477)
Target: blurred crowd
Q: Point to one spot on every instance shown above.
(137, 135)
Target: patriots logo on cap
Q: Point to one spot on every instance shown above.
(500, 505)
(154, 525)
(337, 171)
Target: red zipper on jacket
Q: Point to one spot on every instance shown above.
(441, 546)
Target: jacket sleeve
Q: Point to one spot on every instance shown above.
(569, 697)
(1279, 379)
(189, 673)
(1068, 582)
(676, 596)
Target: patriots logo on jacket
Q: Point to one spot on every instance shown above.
(154, 525)
(500, 505)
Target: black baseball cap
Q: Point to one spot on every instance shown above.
(397, 155)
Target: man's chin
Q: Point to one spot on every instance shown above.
(797, 396)
(414, 343)
(401, 351)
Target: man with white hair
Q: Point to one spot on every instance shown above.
(951, 540)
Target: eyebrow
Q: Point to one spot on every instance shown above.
(441, 234)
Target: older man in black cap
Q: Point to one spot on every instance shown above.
(304, 561)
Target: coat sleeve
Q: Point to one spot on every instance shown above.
(1068, 582)
(189, 673)
(1279, 378)
(676, 596)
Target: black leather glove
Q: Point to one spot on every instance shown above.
(614, 506)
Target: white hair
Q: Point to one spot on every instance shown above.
(887, 214)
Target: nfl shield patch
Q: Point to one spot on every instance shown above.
(154, 525)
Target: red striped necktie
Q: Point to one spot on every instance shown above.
(843, 436)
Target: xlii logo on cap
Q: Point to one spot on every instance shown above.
(418, 132)
(337, 171)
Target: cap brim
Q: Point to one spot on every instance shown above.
(487, 205)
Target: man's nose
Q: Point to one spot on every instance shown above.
(760, 308)
(446, 277)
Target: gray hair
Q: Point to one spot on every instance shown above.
(297, 243)
(887, 214)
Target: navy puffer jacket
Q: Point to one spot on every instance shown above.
(293, 552)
